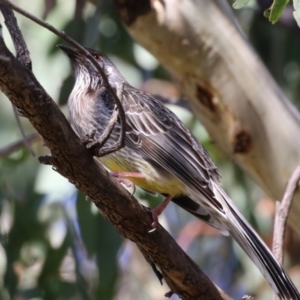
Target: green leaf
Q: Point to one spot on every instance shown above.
(108, 244)
(240, 3)
(267, 13)
(296, 13)
(274, 12)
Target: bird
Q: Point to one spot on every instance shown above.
(162, 156)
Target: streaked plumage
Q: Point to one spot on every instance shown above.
(158, 145)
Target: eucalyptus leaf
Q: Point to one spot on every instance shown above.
(275, 11)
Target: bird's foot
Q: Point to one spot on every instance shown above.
(157, 211)
(124, 181)
(154, 217)
(121, 177)
(89, 139)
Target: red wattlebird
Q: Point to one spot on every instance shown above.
(161, 155)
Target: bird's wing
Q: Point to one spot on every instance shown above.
(160, 136)
(147, 118)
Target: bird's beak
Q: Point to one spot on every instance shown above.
(71, 52)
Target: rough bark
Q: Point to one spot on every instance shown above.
(231, 91)
(71, 159)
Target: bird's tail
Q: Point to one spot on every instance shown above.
(256, 249)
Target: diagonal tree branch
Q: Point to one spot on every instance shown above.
(71, 159)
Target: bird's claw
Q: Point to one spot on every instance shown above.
(124, 181)
(89, 139)
(155, 222)
(154, 218)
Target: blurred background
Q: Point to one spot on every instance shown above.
(56, 245)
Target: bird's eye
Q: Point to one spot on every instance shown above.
(97, 57)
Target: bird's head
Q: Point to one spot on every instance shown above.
(86, 73)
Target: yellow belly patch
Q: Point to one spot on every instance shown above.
(154, 181)
(113, 166)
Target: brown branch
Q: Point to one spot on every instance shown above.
(121, 141)
(281, 216)
(72, 160)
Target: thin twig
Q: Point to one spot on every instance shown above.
(282, 211)
(22, 52)
(281, 216)
(26, 144)
(121, 141)
(7, 150)
(92, 142)
(22, 55)
(110, 126)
